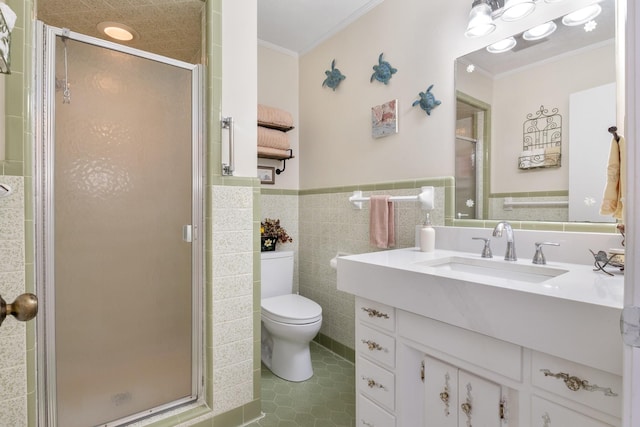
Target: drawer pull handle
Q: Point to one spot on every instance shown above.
(372, 312)
(444, 394)
(574, 383)
(372, 345)
(372, 383)
(367, 424)
(466, 406)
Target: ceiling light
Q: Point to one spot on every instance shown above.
(117, 31)
(502, 45)
(480, 20)
(553, 1)
(517, 9)
(582, 16)
(540, 31)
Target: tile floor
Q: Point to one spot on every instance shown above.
(325, 400)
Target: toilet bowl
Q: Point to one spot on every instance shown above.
(289, 321)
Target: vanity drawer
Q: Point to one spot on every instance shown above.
(589, 386)
(549, 414)
(375, 313)
(371, 415)
(376, 345)
(376, 382)
(498, 356)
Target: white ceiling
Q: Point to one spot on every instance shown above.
(300, 25)
(172, 27)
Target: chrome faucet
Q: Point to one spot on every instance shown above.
(510, 254)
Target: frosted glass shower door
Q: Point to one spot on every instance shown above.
(123, 273)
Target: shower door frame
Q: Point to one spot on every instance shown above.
(43, 184)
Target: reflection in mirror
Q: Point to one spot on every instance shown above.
(510, 163)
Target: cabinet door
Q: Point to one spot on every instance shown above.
(441, 394)
(549, 414)
(478, 401)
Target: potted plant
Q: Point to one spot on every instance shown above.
(271, 232)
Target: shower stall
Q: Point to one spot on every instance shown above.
(118, 182)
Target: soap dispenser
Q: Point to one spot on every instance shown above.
(427, 236)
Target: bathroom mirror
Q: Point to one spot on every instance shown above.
(568, 80)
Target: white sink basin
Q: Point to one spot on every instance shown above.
(494, 268)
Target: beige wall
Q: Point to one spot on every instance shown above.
(421, 39)
(278, 87)
(519, 94)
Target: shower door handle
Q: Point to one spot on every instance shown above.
(24, 308)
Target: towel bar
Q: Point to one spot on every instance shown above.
(508, 203)
(425, 198)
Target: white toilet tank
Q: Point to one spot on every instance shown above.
(276, 273)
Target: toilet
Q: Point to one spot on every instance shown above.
(289, 321)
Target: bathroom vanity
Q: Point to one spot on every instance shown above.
(452, 339)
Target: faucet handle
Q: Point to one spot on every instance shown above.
(538, 257)
(486, 251)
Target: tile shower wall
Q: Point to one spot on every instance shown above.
(329, 224)
(231, 336)
(13, 363)
(529, 213)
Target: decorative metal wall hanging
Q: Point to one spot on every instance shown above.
(427, 101)
(383, 71)
(334, 77)
(541, 140)
(6, 26)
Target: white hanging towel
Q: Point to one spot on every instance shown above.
(613, 198)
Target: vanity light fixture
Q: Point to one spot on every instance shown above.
(540, 31)
(502, 46)
(483, 14)
(117, 31)
(582, 16)
(517, 9)
(480, 19)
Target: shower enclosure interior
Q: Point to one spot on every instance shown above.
(119, 210)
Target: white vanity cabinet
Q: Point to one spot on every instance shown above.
(375, 364)
(546, 353)
(456, 398)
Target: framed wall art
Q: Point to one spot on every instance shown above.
(267, 174)
(384, 119)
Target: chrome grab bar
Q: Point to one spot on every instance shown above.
(227, 169)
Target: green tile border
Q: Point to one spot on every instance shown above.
(444, 181)
(341, 350)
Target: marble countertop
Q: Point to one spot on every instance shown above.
(574, 315)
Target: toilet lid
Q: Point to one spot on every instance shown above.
(291, 308)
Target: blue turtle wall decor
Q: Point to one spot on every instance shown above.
(334, 77)
(383, 71)
(427, 101)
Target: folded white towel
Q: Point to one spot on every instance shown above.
(537, 157)
(525, 159)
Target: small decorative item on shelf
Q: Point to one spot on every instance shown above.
(383, 71)
(334, 77)
(271, 233)
(602, 259)
(427, 101)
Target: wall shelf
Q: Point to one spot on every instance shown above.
(282, 157)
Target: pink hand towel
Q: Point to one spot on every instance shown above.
(381, 222)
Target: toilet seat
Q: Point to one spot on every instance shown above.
(291, 309)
